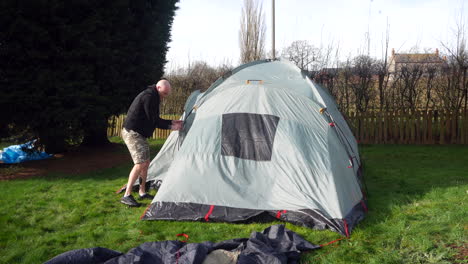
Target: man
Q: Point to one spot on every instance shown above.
(142, 118)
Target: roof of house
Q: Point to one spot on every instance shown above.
(417, 58)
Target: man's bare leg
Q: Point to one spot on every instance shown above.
(134, 173)
(143, 176)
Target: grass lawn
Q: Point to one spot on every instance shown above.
(418, 213)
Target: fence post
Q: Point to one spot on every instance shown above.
(465, 121)
(122, 119)
(401, 131)
(361, 127)
(386, 121)
(454, 127)
(391, 127)
(424, 127)
(411, 124)
(394, 127)
(441, 123)
(371, 127)
(417, 126)
(459, 127)
(376, 125)
(407, 122)
(432, 124)
(378, 128)
(464, 117)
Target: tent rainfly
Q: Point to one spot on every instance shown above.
(262, 143)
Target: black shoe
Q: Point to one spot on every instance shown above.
(146, 196)
(130, 201)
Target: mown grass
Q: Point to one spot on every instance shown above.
(417, 201)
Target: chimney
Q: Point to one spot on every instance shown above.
(437, 52)
(393, 52)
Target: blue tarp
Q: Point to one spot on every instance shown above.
(15, 153)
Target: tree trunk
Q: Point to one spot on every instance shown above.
(95, 133)
(53, 140)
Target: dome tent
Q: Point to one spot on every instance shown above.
(263, 142)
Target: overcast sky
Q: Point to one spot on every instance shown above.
(208, 30)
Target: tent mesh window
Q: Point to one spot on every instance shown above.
(248, 136)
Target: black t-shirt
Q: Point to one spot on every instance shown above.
(143, 114)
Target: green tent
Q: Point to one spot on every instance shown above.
(263, 142)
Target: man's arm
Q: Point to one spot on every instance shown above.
(152, 113)
(163, 123)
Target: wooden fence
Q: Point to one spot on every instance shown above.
(419, 127)
(116, 124)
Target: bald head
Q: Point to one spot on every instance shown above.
(164, 88)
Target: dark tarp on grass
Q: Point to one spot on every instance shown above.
(276, 244)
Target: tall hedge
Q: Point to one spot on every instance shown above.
(67, 66)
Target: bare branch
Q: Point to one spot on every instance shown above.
(252, 32)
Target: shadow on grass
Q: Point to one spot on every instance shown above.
(115, 169)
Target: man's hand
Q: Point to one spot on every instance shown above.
(177, 125)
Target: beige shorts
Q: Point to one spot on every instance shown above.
(137, 145)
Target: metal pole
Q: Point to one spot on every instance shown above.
(368, 29)
(273, 29)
